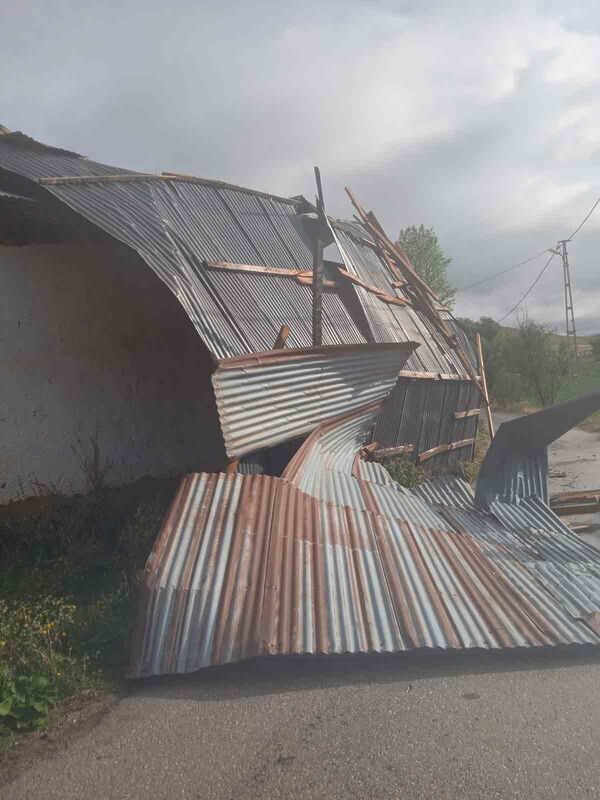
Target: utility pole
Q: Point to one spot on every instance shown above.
(569, 314)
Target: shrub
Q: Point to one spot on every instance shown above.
(68, 584)
(25, 700)
(404, 471)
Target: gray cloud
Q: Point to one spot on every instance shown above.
(479, 121)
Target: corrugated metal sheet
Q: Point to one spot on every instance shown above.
(324, 560)
(250, 565)
(324, 467)
(516, 463)
(178, 224)
(446, 490)
(270, 397)
(393, 321)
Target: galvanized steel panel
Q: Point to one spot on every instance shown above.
(249, 565)
(270, 397)
(446, 490)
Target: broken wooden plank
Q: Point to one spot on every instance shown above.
(484, 388)
(445, 448)
(474, 412)
(282, 336)
(432, 376)
(76, 180)
(575, 508)
(388, 452)
(256, 268)
(591, 495)
(305, 280)
(369, 287)
(392, 301)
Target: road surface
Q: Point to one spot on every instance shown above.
(516, 725)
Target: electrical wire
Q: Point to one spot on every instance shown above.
(585, 219)
(502, 272)
(545, 267)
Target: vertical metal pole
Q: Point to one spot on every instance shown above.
(569, 313)
(485, 392)
(317, 282)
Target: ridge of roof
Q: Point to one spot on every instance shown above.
(22, 142)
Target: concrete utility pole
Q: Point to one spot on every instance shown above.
(569, 314)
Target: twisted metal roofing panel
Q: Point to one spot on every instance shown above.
(446, 490)
(516, 463)
(324, 560)
(269, 397)
(177, 223)
(250, 565)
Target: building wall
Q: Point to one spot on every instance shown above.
(94, 347)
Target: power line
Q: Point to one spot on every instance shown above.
(585, 219)
(502, 272)
(545, 267)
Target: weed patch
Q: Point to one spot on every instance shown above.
(68, 589)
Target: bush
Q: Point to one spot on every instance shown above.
(404, 471)
(25, 700)
(68, 586)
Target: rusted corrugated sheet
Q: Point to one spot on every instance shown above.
(327, 560)
(251, 565)
(267, 398)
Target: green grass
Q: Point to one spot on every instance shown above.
(587, 380)
(68, 585)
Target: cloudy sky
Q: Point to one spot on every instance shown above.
(479, 119)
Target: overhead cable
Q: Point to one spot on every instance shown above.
(502, 272)
(545, 267)
(585, 219)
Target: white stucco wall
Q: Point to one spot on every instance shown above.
(91, 339)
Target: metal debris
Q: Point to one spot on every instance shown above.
(267, 398)
(179, 224)
(516, 463)
(333, 558)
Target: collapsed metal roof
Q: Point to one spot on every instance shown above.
(239, 261)
(332, 558)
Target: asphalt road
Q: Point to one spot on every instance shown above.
(516, 725)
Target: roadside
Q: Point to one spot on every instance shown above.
(88, 724)
(441, 725)
(69, 575)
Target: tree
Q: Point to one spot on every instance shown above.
(596, 347)
(422, 247)
(532, 354)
